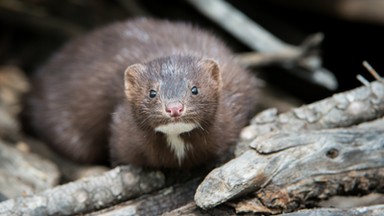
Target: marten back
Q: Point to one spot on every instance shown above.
(76, 94)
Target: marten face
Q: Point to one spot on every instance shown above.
(175, 89)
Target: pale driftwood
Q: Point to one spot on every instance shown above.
(257, 38)
(155, 204)
(24, 173)
(296, 167)
(88, 194)
(341, 110)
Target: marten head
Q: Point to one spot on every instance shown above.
(180, 90)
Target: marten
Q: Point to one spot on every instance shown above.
(146, 92)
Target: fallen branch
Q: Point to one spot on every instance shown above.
(88, 194)
(341, 110)
(293, 169)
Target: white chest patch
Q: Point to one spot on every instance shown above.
(172, 132)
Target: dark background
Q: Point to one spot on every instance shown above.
(31, 30)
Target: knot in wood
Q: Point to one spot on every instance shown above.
(332, 153)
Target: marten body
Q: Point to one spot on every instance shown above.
(144, 92)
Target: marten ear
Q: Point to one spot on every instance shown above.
(210, 66)
(131, 77)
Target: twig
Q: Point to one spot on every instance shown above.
(364, 81)
(372, 71)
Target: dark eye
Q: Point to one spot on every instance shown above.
(194, 90)
(152, 93)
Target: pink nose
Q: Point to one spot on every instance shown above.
(174, 109)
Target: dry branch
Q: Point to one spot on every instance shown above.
(303, 61)
(341, 110)
(88, 194)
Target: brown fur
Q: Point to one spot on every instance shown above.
(82, 105)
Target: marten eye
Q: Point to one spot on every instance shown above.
(194, 90)
(152, 93)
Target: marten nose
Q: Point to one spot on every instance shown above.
(174, 109)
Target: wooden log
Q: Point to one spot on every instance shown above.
(341, 110)
(253, 171)
(88, 194)
(290, 169)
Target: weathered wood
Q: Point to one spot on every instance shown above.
(284, 152)
(88, 194)
(341, 110)
(23, 173)
(291, 168)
